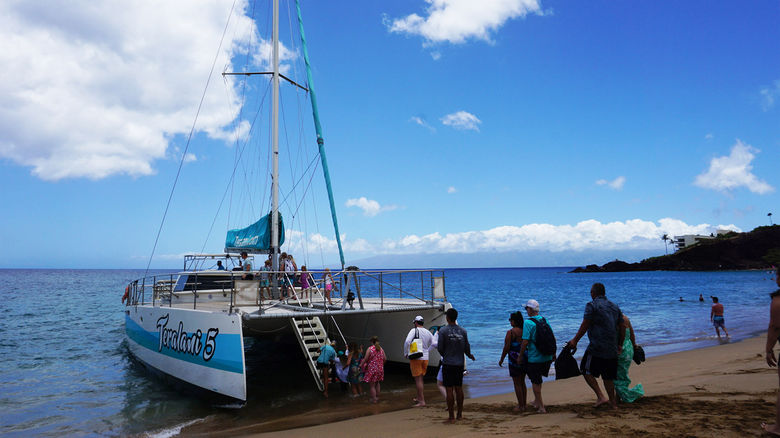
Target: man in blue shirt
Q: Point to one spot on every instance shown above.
(603, 321)
(538, 363)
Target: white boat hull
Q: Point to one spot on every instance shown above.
(203, 348)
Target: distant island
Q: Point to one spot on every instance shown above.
(757, 249)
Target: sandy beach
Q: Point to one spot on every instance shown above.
(726, 390)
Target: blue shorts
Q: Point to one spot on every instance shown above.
(718, 321)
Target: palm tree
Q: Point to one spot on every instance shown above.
(666, 238)
(770, 218)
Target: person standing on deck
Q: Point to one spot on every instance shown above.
(716, 317)
(772, 337)
(247, 267)
(419, 364)
(603, 321)
(453, 344)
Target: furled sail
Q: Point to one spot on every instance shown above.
(254, 238)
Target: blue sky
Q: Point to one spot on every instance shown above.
(451, 128)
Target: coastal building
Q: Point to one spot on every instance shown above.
(687, 240)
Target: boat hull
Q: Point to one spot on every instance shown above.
(202, 348)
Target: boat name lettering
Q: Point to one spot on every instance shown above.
(246, 241)
(180, 341)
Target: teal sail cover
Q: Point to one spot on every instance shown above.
(254, 238)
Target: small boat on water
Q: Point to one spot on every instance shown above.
(191, 324)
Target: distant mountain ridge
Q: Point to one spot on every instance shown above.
(757, 249)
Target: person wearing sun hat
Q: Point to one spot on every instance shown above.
(418, 362)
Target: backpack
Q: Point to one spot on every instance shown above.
(545, 339)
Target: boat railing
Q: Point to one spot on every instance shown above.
(239, 288)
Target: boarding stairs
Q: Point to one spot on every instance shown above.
(312, 335)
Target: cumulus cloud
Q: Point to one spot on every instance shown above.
(769, 95)
(462, 120)
(709, 136)
(457, 21)
(86, 92)
(370, 207)
(634, 234)
(733, 171)
(589, 234)
(451, 189)
(615, 184)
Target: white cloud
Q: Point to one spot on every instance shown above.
(769, 94)
(462, 120)
(733, 171)
(616, 184)
(190, 157)
(422, 122)
(370, 207)
(451, 189)
(589, 234)
(456, 21)
(709, 136)
(87, 92)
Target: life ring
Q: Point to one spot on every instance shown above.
(127, 294)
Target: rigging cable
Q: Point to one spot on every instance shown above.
(189, 138)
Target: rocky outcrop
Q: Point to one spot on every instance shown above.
(758, 249)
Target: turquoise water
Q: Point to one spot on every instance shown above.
(66, 369)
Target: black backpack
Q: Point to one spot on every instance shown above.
(545, 339)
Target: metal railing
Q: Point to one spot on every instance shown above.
(187, 289)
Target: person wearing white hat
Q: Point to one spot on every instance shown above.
(538, 363)
(416, 347)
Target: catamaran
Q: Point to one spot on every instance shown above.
(191, 324)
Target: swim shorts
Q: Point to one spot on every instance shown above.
(718, 321)
(537, 370)
(452, 375)
(598, 366)
(418, 367)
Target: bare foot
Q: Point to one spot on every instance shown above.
(601, 402)
(773, 429)
(541, 410)
(518, 409)
(460, 417)
(449, 421)
(419, 405)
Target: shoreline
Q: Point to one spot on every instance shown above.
(720, 390)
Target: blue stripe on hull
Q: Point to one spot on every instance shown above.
(227, 348)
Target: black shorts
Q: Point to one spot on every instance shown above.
(452, 375)
(518, 371)
(598, 366)
(537, 370)
(323, 365)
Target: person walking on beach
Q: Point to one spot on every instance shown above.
(624, 393)
(772, 335)
(374, 367)
(517, 369)
(453, 344)
(603, 322)
(418, 359)
(538, 362)
(716, 317)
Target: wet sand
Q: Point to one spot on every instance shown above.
(726, 390)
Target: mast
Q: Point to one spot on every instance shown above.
(275, 139)
(320, 140)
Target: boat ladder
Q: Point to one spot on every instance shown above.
(311, 336)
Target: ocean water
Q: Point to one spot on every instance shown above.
(66, 369)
